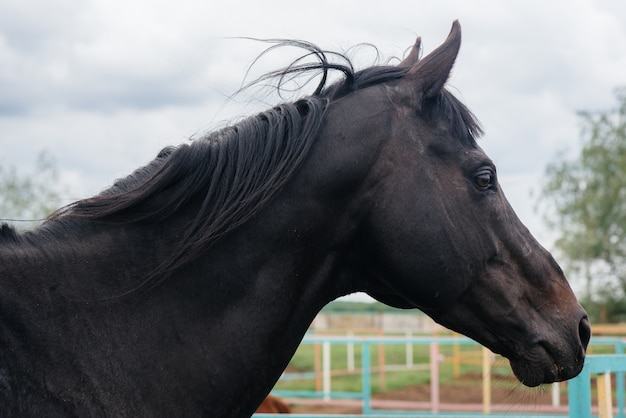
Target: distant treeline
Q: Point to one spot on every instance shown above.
(340, 307)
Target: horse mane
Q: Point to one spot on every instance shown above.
(8, 233)
(234, 172)
(461, 120)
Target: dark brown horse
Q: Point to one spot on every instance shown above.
(273, 405)
(185, 288)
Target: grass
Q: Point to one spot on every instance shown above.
(395, 354)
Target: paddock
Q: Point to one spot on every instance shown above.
(365, 357)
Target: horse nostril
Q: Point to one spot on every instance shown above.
(584, 331)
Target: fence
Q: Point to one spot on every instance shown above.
(579, 391)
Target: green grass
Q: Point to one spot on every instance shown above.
(395, 354)
(304, 361)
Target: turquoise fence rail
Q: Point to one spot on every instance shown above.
(414, 414)
(579, 391)
(366, 363)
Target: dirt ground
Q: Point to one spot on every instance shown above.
(464, 393)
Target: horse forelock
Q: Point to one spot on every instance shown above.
(460, 119)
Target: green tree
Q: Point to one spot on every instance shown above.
(25, 199)
(589, 207)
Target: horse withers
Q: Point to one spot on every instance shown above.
(185, 288)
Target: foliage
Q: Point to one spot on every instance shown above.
(345, 307)
(26, 199)
(589, 197)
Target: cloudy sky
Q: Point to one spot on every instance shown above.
(104, 84)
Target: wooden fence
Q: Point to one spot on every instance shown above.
(579, 392)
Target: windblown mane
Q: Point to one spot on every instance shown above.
(235, 171)
(8, 233)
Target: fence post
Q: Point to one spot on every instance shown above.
(366, 384)
(619, 381)
(382, 378)
(579, 395)
(486, 380)
(456, 359)
(317, 365)
(434, 377)
(556, 394)
(326, 369)
(350, 350)
(605, 402)
(409, 350)
(579, 388)
(619, 386)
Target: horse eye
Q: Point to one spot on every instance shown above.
(484, 179)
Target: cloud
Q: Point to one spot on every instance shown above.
(105, 84)
(101, 56)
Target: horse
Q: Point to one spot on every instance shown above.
(273, 405)
(185, 288)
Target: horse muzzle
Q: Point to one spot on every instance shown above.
(549, 361)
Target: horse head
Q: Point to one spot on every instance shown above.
(438, 234)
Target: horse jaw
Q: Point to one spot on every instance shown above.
(543, 345)
(538, 362)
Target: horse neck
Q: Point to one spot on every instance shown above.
(279, 295)
(46, 274)
(259, 286)
(78, 258)
(51, 306)
(64, 325)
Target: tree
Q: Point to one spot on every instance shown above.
(589, 197)
(28, 199)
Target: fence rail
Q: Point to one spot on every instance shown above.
(579, 388)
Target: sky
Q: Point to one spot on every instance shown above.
(103, 85)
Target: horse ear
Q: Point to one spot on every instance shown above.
(431, 72)
(414, 54)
